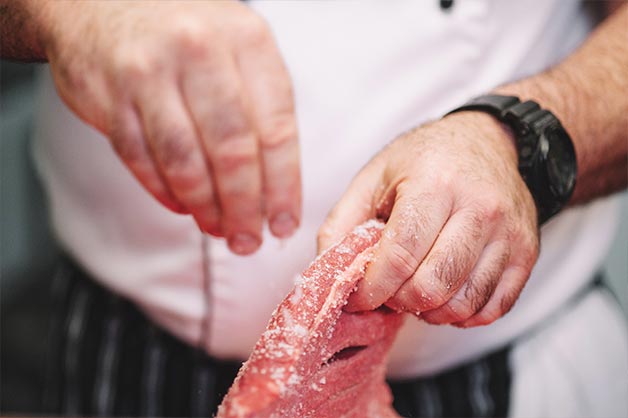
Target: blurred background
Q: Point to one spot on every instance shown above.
(28, 251)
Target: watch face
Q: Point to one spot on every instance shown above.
(560, 163)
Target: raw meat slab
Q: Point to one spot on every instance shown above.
(315, 360)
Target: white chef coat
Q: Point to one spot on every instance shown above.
(363, 72)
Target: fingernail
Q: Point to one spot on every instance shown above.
(283, 225)
(243, 244)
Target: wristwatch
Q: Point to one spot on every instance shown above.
(547, 158)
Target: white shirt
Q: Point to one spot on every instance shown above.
(363, 72)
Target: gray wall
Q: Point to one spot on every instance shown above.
(616, 263)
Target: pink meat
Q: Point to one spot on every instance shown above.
(314, 359)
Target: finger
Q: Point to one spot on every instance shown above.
(447, 265)
(476, 290)
(177, 152)
(353, 208)
(502, 300)
(268, 84)
(510, 286)
(219, 107)
(127, 139)
(414, 224)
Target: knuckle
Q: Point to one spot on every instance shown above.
(130, 151)
(191, 184)
(173, 148)
(190, 34)
(253, 30)
(188, 31)
(401, 259)
(492, 208)
(281, 132)
(194, 191)
(129, 147)
(409, 233)
(428, 297)
(474, 225)
(529, 259)
(526, 254)
(230, 122)
(507, 302)
(533, 251)
(235, 154)
(477, 293)
(133, 66)
(445, 180)
(450, 268)
(461, 310)
(497, 269)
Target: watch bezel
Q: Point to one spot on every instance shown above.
(561, 186)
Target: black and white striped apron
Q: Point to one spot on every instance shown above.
(107, 359)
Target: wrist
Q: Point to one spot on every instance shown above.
(488, 131)
(51, 19)
(546, 155)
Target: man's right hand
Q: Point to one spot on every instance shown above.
(196, 101)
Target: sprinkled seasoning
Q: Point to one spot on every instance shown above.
(314, 360)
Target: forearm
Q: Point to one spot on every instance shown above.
(587, 92)
(21, 29)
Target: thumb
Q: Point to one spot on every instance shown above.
(354, 208)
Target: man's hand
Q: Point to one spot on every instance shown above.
(196, 101)
(461, 235)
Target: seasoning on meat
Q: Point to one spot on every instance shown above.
(315, 360)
